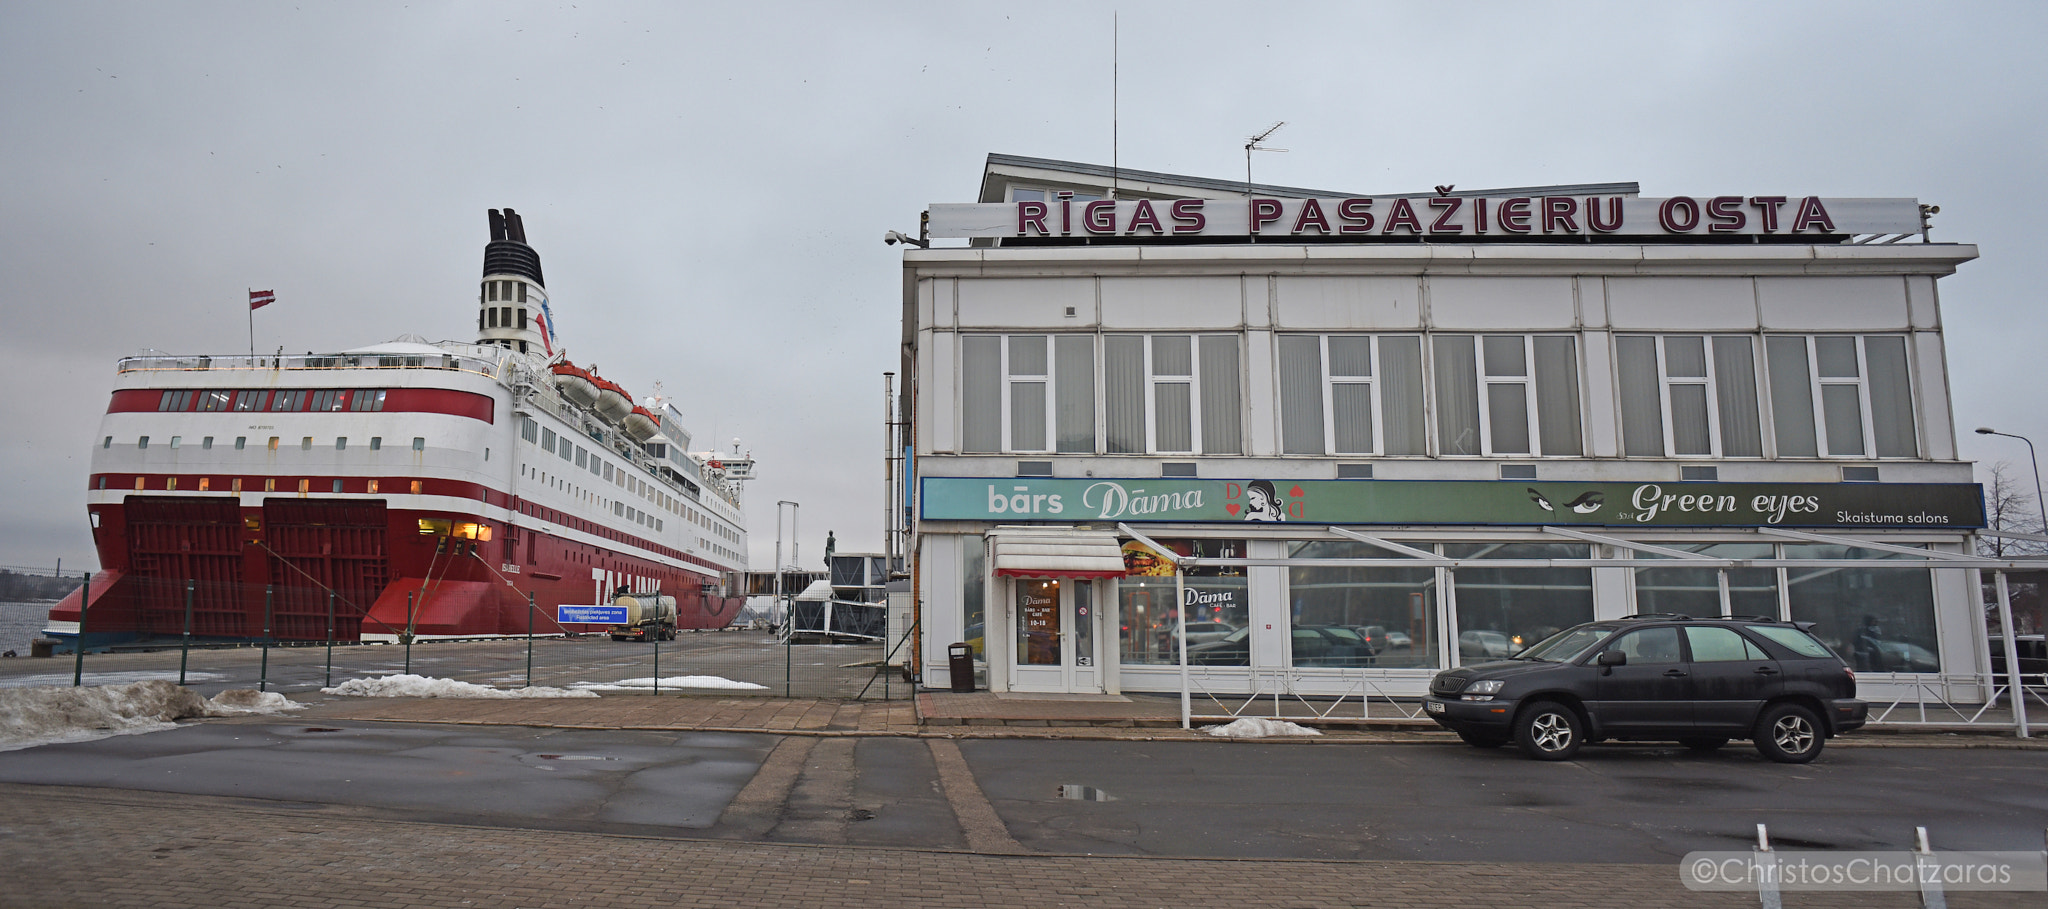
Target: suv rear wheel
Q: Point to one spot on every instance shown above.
(1548, 731)
(1789, 734)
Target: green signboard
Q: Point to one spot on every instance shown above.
(1836, 505)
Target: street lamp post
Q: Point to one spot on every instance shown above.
(2031, 459)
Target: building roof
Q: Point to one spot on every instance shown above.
(1003, 170)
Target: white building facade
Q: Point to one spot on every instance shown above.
(1400, 433)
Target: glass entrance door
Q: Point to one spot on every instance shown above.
(1055, 636)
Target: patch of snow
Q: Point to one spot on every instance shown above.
(415, 686)
(50, 714)
(1253, 727)
(674, 681)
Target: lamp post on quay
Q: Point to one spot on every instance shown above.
(2031, 459)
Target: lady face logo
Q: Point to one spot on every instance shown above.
(1262, 502)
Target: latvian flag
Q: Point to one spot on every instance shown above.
(261, 298)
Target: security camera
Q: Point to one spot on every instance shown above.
(892, 238)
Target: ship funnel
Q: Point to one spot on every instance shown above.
(512, 301)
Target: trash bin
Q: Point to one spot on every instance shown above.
(960, 665)
(42, 647)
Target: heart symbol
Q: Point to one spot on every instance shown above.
(1295, 492)
(1232, 508)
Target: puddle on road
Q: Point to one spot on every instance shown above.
(1084, 793)
(574, 757)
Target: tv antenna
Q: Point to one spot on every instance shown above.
(1251, 144)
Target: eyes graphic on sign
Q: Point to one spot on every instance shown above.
(1586, 503)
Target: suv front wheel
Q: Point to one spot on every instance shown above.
(1549, 731)
(1789, 734)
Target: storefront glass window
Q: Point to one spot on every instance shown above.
(1697, 591)
(1391, 610)
(973, 586)
(1502, 610)
(1879, 619)
(1218, 610)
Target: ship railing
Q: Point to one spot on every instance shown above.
(450, 362)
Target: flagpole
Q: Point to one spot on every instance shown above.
(252, 324)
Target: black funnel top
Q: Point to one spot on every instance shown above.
(508, 253)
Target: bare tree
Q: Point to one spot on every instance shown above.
(2009, 506)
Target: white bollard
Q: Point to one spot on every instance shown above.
(1929, 870)
(1765, 864)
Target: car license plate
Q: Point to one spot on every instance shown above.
(1434, 706)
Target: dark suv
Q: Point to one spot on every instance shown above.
(1699, 682)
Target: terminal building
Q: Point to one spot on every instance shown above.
(1357, 439)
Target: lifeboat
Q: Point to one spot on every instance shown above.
(613, 403)
(640, 424)
(574, 383)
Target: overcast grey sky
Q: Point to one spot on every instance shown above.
(708, 184)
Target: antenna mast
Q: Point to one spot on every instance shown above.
(1251, 145)
(1115, 73)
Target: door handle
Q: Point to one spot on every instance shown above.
(1766, 670)
(1674, 673)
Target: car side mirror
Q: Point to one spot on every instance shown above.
(1613, 658)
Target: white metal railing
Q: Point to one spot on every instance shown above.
(1928, 701)
(1282, 689)
(449, 361)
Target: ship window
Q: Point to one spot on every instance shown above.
(367, 399)
(607, 471)
(657, 525)
(108, 443)
(480, 318)
(415, 487)
(249, 400)
(241, 442)
(170, 484)
(236, 485)
(582, 457)
(547, 438)
(206, 444)
(306, 443)
(371, 487)
(419, 443)
(564, 449)
(138, 483)
(288, 400)
(103, 482)
(522, 347)
(142, 442)
(522, 299)
(215, 401)
(269, 484)
(491, 315)
(177, 441)
(337, 485)
(376, 443)
(341, 444)
(175, 400)
(522, 311)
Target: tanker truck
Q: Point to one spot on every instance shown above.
(649, 617)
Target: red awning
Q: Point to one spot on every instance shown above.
(1057, 573)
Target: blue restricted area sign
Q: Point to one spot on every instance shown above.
(590, 615)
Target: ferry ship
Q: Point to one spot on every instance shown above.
(401, 490)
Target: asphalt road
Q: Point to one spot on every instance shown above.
(1224, 799)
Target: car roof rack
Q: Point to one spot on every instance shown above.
(1657, 615)
(1756, 618)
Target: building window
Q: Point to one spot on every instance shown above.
(1860, 389)
(215, 401)
(1390, 612)
(1217, 609)
(1507, 395)
(1037, 393)
(1697, 591)
(1338, 397)
(1502, 610)
(1879, 619)
(1688, 396)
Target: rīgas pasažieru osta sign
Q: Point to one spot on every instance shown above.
(1958, 506)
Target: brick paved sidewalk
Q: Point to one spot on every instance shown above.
(83, 847)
